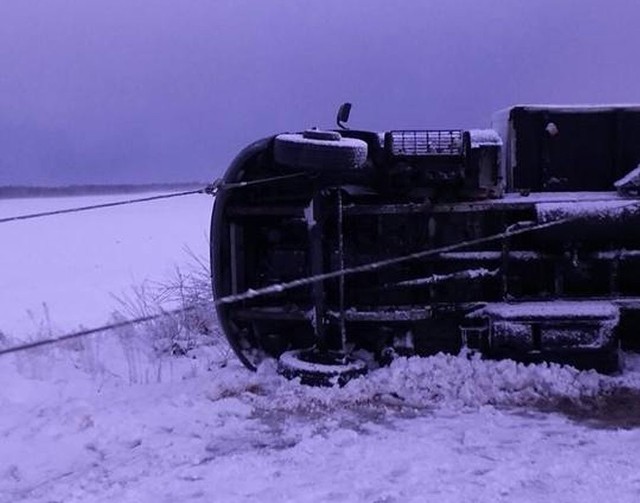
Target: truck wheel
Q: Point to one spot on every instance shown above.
(315, 149)
(320, 368)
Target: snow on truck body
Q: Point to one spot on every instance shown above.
(340, 200)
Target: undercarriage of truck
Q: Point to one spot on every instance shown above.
(360, 247)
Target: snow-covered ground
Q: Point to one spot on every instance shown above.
(107, 419)
(72, 268)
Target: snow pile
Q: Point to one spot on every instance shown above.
(458, 381)
(445, 381)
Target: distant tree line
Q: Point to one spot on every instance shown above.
(16, 191)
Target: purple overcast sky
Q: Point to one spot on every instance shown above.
(119, 91)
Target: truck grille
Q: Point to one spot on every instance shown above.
(425, 143)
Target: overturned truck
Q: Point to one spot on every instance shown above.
(335, 249)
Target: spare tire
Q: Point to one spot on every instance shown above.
(319, 150)
(320, 368)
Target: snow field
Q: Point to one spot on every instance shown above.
(69, 270)
(209, 430)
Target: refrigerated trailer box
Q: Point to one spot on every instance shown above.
(555, 148)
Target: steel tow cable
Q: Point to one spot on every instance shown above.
(98, 206)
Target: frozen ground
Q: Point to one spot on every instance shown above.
(107, 419)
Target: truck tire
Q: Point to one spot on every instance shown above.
(319, 150)
(320, 368)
